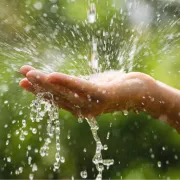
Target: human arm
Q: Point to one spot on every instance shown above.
(91, 98)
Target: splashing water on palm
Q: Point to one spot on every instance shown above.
(114, 47)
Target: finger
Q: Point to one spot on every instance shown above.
(36, 77)
(24, 83)
(33, 88)
(75, 84)
(72, 98)
(25, 69)
(39, 80)
(59, 101)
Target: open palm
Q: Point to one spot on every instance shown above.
(105, 92)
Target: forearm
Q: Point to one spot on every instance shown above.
(142, 93)
(163, 102)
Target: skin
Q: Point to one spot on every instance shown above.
(107, 93)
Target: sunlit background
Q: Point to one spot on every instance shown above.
(81, 37)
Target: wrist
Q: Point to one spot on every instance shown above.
(146, 97)
(131, 92)
(154, 99)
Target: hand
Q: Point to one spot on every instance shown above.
(104, 92)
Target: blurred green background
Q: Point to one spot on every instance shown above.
(54, 35)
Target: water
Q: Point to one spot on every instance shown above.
(79, 39)
(84, 174)
(97, 159)
(39, 108)
(92, 13)
(94, 61)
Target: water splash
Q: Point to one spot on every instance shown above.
(92, 13)
(94, 63)
(97, 159)
(39, 108)
(84, 174)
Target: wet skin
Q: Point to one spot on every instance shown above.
(104, 94)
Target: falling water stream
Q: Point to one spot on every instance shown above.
(97, 159)
(94, 63)
(39, 108)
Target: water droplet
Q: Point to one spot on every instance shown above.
(42, 152)
(99, 176)
(125, 112)
(84, 174)
(25, 133)
(105, 147)
(56, 166)
(29, 160)
(20, 170)
(19, 146)
(92, 13)
(6, 102)
(36, 150)
(84, 150)
(80, 120)
(57, 156)
(7, 142)
(38, 5)
(108, 134)
(14, 121)
(76, 95)
(108, 162)
(100, 167)
(167, 162)
(176, 157)
(136, 111)
(152, 156)
(34, 167)
(17, 132)
(20, 113)
(62, 159)
(16, 172)
(6, 126)
(8, 135)
(8, 159)
(23, 123)
(58, 146)
(31, 176)
(159, 164)
(22, 137)
(94, 63)
(34, 130)
(54, 8)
